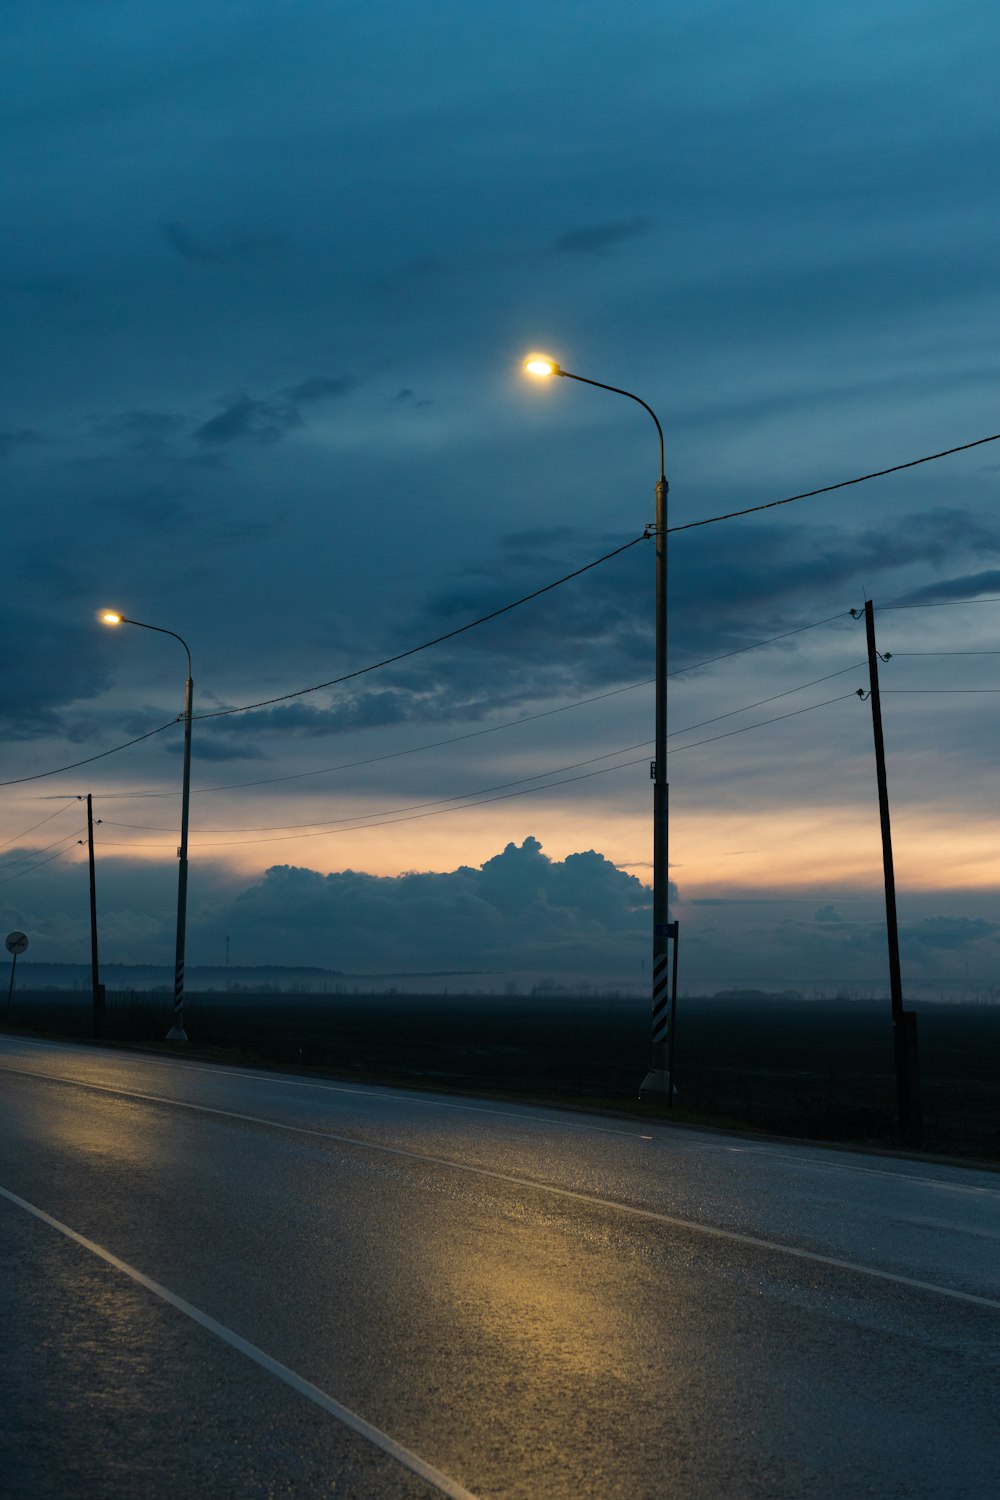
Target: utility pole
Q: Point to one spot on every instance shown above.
(904, 1022)
(97, 989)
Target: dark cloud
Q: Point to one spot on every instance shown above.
(193, 247)
(519, 910)
(320, 388)
(12, 439)
(146, 431)
(244, 419)
(598, 239)
(947, 933)
(828, 914)
(39, 683)
(965, 586)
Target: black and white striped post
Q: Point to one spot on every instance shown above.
(176, 1032)
(657, 1080)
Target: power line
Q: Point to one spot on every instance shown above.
(437, 802)
(425, 645)
(731, 515)
(371, 760)
(941, 603)
(761, 701)
(493, 728)
(385, 820)
(25, 859)
(18, 836)
(39, 775)
(827, 489)
(504, 609)
(38, 866)
(272, 828)
(763, 724)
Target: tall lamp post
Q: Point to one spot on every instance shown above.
(657, 1080)
(176, 1032)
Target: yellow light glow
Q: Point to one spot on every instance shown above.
(540, 364)
(109, 617)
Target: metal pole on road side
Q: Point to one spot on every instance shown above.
(657, 1080)
(176, 1032)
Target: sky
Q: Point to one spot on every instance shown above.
(268, 278)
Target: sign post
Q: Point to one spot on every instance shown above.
(16, 943)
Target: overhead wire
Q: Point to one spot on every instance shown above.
(38, 865)
(490, 729)
(425, 645)
(940, 603)
(313, 823)
(514, 604)
(27, 857)
(56, 814)
(843, 484)
(384, 820)
(40, 775)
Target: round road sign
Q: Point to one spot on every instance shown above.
(16, 942)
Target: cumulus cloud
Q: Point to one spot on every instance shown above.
(520, 910)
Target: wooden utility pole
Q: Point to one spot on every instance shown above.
(97, 987)
(904, 1022)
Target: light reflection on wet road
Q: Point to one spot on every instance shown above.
(537, 1304)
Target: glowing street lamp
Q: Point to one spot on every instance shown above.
(176, 1032)
(657, 1080)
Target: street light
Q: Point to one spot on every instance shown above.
(657, 1080)
(176, 1032)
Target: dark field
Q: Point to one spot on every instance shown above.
(822, 1069)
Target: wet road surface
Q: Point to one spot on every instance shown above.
(227, 1283)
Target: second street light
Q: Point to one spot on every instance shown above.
(176, 1032)
(657, 1080)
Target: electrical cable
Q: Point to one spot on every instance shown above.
(827, 489)
(321, 827)
(39, 865)
(763, 724)
(387, 821)
(494, 614)
(504, 609)
(371, 760)
(18, 836)
(273, 828)
(27, 857)
(940, 603)
(761, 701)
(39, 775)
(490, 729)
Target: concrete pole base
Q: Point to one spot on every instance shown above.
(656, 1084)
(177, 1034)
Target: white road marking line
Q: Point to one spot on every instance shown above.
(652, 1215)
(343, 1414)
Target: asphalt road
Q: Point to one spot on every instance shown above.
(232, 1284)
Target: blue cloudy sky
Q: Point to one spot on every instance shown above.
(268, 275)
